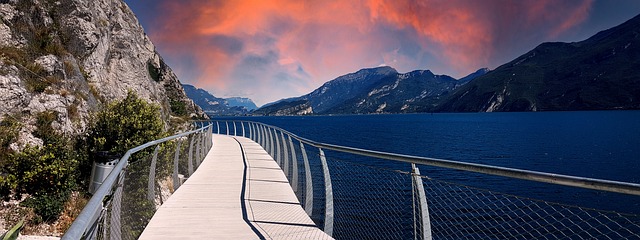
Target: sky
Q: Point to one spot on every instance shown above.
(267, 50)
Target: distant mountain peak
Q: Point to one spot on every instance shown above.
(242, 102)
(369, 90)
(218, 106)
(382, 70)
(477, 73)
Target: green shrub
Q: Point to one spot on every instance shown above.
(9, 129)
(50, 169)
(178, 107)
(36, 170)
(125, 124)
(47, 206)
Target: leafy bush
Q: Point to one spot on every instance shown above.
(178, 107)
(47, 173)
(35, 170)
(125, 124)
(9, 129)
(47, 206)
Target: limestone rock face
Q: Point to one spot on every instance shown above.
(72, 56)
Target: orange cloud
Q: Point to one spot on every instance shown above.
(269, 49)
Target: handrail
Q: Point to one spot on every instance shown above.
(82, 223)
(567, 180)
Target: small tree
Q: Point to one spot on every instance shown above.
(125, 124)
(120, 126)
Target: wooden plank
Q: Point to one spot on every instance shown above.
(209, 204)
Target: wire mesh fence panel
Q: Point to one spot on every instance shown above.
(462, 212)
(313, 156)
(302, 177)
(371, 202)
(136, 209)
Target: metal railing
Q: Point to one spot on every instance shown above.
(351, 195)
(140, 182)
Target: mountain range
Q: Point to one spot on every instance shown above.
(219, 106)
(602, 72)
(372, 90)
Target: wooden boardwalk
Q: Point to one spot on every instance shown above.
(238, 192)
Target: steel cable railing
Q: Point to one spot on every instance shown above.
(349, 196)
(139, 184)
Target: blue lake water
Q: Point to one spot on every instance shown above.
(594, 144)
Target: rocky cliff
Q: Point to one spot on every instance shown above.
(70, 56)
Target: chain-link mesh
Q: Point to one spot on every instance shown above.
(378, 203)
(462, 212)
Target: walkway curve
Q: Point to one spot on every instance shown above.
(238, 192)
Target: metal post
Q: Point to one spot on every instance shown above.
(260, 135)
(205, 149)
(266, 139)
(294, 161)
(279, 158)
(227, 123)
(190, 163)
(328, 192)
(273, 140)
(203, 143)
(218, 125)
(285, 155)
(235, 133)
(211, 137)
(176, 180)
(151, 184)
(258, 132)
(198, 152)
(242, 126)
(308, 190)
(424, 210)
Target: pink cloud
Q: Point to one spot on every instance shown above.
(270, 49)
